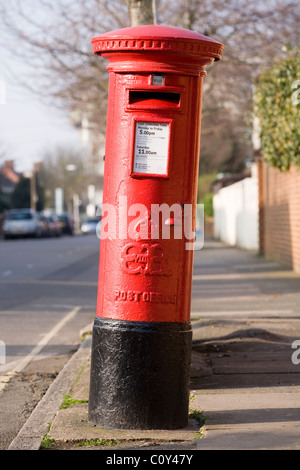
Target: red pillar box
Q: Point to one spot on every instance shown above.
(142, 332)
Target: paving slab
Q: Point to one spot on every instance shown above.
(256, 421)
(72, 425)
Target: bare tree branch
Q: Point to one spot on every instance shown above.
(53, 40)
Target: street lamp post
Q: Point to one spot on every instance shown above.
(75, 198)
(31, 175)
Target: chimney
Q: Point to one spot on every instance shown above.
(9, 164)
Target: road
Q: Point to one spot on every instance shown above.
(48, 290)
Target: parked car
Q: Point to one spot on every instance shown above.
(54, 227)
(22, 222)
(66, 223)
(90, 225)
(45, 226)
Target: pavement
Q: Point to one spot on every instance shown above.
(245, 374)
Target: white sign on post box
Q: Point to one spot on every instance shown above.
(151, 151)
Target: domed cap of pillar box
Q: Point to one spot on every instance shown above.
(158, 39)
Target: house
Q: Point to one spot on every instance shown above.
(8, 177)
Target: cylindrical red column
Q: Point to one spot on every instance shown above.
(142, 332)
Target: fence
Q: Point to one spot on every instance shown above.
(236, 214)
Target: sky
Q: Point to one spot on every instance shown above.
(28, 127)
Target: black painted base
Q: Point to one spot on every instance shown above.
(140, 374)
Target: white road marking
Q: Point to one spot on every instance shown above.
(17, 366)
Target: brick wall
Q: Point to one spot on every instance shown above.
(279, 207)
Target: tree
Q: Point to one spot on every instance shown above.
(53, 39)
(141, 12)
(253, 34)
(277, 105)
(4, 201)
(21, 196)
(65, 168)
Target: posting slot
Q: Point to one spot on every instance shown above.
(157, 99)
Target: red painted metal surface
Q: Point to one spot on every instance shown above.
(151, 158)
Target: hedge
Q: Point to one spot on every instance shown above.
(277, 104)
